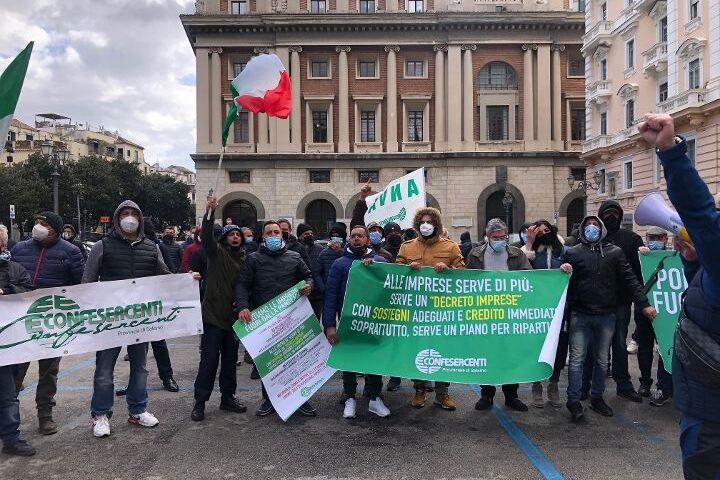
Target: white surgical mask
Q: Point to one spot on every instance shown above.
(426, 229)
(129, 224)
(40, 233)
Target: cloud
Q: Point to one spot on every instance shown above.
(123, 64)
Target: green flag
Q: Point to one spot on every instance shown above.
(11, 82)
(231, 116)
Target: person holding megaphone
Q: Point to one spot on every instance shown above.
(696, 356)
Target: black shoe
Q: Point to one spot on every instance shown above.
(170, 385)
(20, 449)
(394, 384)
(516, 404)
(630, 394)
(584, 395)
(307, 410)
(644, 390)
(659, 399)
(232, 404)
(121, 392)
(577, 412)
(254, 374)
(265, 409)
(198, 412)
(598, 405)
(484, 403)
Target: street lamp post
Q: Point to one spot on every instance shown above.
(56, 158)
(78, 192)
(507, 202)
(584, 184)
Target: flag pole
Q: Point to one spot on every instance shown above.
(217, 179)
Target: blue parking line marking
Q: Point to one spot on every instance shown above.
(540, 461)
(64, 372)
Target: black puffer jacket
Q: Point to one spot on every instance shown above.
(297, 247)
(600, 273)
(13, 276)
(628, 241)
(268, 274)
(172, 254)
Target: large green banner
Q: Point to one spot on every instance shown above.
(465, 326)
(665, 295)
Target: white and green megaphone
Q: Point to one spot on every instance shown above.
(653, 211)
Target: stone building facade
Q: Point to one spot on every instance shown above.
(487, 96)
(645, 56)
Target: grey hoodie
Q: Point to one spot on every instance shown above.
(94, 260)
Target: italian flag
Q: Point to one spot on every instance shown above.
(262, 87)
(11, 82)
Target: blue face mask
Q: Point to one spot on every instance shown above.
(498, 245)
(592, 233)
(273, 243)
(656, 245)
(248, 239)
(375, 238)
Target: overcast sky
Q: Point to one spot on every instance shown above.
(123, 64)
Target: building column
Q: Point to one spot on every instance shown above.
(295, 113)
(557, 97)
(343, 101)
(454, 110)
(467, 97)
(543, 99)
(440, 142)
(216, 112)
(391, 137)
(202, 99)
(282, 126)
(528, 100)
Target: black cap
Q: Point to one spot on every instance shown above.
(53, 219)
(302, 228)
(340, 229)
(390, 228)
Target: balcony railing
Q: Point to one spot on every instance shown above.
(690, 98)
(596, 142)
(625, 134)
(655, 58)
(601, 31)
(598, 91)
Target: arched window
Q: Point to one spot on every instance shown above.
(242, 213)
(320, 215)
(496, 208)
(497, 76)
(575, 213)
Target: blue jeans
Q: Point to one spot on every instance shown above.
(104, 389)
(584, 328)
(700, 446)
(9, 407)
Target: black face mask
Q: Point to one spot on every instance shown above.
(359, 251)
(167, 239)
(545, 239)
(394, 240)
(286, 236)
(611, 223)
(309, 240)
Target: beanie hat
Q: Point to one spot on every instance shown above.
(391, 227)
(340, 229)
(229, 228)
(302, 228)
(53, 219)
(374, 225)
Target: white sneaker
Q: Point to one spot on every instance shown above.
(101, 426)
(145, 419)
(350, 408)
(378, 408)
(632, 347)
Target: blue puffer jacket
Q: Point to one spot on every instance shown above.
(57, 265)
(324, 261)
(696, 206)
(337, 282)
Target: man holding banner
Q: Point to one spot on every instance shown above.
(600, 273)
(497, 255)
(268, 273)
(123, 254)
(429, 250)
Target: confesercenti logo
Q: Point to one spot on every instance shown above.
(431, 361)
